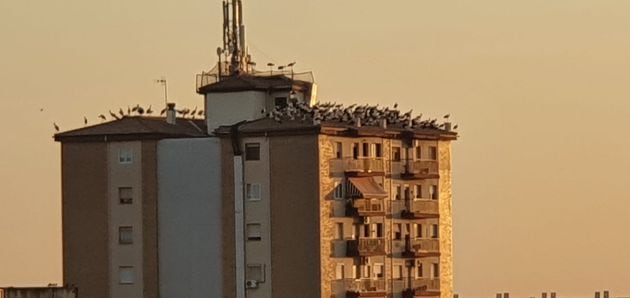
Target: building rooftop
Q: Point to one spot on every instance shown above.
(135, 128)
(249, 82)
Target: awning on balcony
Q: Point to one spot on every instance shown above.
(365, 187)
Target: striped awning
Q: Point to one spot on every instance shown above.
(365, 187)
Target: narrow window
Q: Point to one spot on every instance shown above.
(378, 270)
(340, 274)
(254, 232)
(252, 151)
(125, 235)
(398, 272)
(338, 191)
(125, 195)
(339, 231)
(418, 230)
(419, 270)
(418, 152)
(396, 154)
(125, 156)
(356, 271)
(338, 150)
(433, 153)
(397, 231)
(255, 272)
(378, 150)
(126, 275)
(418, 191)
(435, 270)
(366, 271)
(435, 231)
(366, 231)
(407, 192)
(366, 149)
(355, 150)
(379, 230)
(434, 192)
(398, 192)
(252, 191)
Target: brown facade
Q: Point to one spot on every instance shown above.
(85, 218)
(294, 172)
(228, 245)
(149, 219)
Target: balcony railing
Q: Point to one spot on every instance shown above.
(365, 207)
(362, 287)
(421, 209)
(425, 287)
(362, 166)
(420, 248)
(365, 247)
(420, 169)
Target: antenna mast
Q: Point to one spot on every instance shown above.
(234, 37)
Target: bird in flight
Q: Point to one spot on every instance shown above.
(56, 127)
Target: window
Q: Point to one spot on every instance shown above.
(254, 232)
(435, 231)
(125, 195)
(418, 152)
(397, 231)
(435, 270)
(418, 191)
(356, 271)
(378, 150)
(366, 149)
(339, 231)
(433, 191)
(398, 271)
(338, 191)
(280, 102)
(419, 271)
(340, 274)
(125, 156)
(338, 150)
(252, 191)
(367, 270)
(125, 235)
(379, 230)
(355, 150)
(126, 275)
(433, 153)
(418, 230)
(398, 192)
(378, 270)
(407, 192)
(255, 272)
(396, 154)
(252, 151)
(366, 231)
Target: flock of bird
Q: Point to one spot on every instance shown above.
(140, 111)
(365, 115)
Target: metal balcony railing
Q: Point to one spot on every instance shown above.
(365, 247)
(365, 207)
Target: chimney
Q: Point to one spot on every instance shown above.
(383, 123)
(171, 114)
(448, 126)
(358, 121)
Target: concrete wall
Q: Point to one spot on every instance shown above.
(446, 219)
(190, 218)
(85, 218)
(230, 108)
(38, 293)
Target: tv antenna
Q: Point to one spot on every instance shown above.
(162, 81)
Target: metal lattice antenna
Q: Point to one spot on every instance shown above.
(234, 37)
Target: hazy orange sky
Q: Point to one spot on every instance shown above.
(540, 89)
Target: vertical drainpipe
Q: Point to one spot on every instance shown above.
(239, 214)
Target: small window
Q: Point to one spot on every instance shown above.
(434, 192)
(338, 150)
(419, 271)
(281, 102)
(367, 270)
(396, 155)
(340, 274)
(366, 149)
(338, 191)
(252, 191)
(126, 275)
(418, 230)
(378, 270)
(356, 271)
(435, 231)
(418, 191)
(339, 231)
(125, 156)
(418, 152)
(435, 270)
(398, 192)
(252, 151)
(355, 150)
(407, 192)
(125, 235)
(433, 153)
(398, 272)
(379, 230)
(397, 231)
(125, 195)
(254, 232)
(378, 150)
(255, 272)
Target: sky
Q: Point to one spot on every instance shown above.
(539, 89)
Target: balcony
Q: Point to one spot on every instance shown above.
(365, 207)
(421, 209)
(365, 247)
(423, 288)
(361, 288)
(363, 166)
(421, 248)
(420, 169)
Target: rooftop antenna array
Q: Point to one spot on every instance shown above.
(234, 48)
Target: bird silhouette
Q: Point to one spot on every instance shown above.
(56, 127)
(85, 120)
(114, 115)
(140, 111)
(200, 113)
(447, 116)
(162, 111)
(128, 110)
(456, 126)
(122, 114)
(149, 111)
(102, 117)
